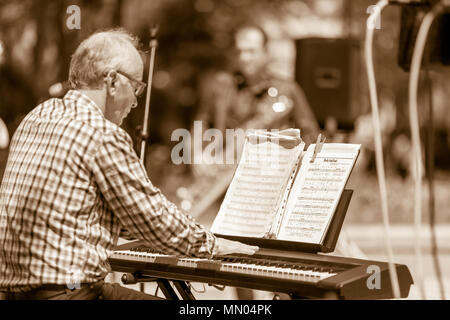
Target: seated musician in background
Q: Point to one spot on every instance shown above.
(73, 180)
(253, 96)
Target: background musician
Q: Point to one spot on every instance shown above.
(73, 181)
(254, 96)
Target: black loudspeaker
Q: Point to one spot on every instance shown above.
(437, 45)
(328, 71)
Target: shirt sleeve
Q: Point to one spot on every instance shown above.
(141, 207)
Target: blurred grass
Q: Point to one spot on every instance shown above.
(365, 206)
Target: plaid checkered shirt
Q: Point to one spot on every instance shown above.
(71, 183)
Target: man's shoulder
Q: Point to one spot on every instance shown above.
(84, 118)
(105, 131)
(81, 109)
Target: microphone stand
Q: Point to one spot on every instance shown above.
(144, 132)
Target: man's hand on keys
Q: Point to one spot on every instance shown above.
(225, 246)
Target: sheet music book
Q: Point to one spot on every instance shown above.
(278, 192)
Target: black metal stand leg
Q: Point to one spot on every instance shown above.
(133, 278)
(184, 290)
(167, 289)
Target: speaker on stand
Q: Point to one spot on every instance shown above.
(327, 69)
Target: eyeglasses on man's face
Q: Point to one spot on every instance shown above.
(137, 85)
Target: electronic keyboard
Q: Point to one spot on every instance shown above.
(298, 274)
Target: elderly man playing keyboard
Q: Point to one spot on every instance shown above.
(73, 181)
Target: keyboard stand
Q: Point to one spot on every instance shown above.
(164, 284)
(183, 289)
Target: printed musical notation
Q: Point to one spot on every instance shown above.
(316, 192)
(253, 196)
(269, 197)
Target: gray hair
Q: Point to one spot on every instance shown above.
(96, 55)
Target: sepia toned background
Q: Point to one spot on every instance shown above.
(196, 37)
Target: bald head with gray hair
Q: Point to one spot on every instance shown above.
(101, 52)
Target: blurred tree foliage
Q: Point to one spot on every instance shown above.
(37, 48)
(194, 36)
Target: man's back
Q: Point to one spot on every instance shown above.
(48, 198)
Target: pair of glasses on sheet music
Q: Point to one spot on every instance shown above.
(137, 85)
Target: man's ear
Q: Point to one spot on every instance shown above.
(111, 82)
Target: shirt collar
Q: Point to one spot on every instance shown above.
(82, 100)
